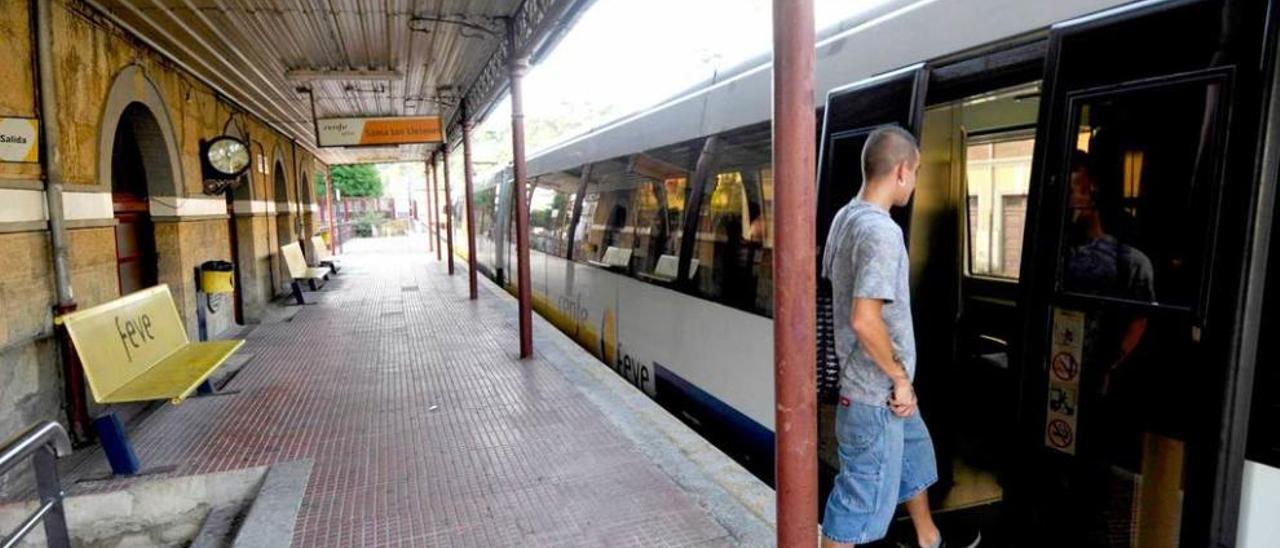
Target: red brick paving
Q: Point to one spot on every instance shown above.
(425, 428)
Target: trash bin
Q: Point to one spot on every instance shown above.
(217, 277)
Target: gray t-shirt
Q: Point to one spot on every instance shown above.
(866, 258)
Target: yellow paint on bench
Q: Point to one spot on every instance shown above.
(136, 349)
(297, 263)
(322, 250)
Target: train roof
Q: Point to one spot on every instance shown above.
(896, 34)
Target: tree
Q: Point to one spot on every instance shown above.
(358, 180)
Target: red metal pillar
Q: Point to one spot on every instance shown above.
(426, 189)
(448, 203)
(520, 65)
(435, 210)
(470, 199)
(795, 396)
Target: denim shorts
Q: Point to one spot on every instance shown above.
(884, 461)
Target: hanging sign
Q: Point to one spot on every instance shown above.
(19, 140)
(399, 130)
(1065, 353)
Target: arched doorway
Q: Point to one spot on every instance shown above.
(136, 155)
(284, 218)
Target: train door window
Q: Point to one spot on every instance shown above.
(1139, 194)
(997, 175)
(1264, 421)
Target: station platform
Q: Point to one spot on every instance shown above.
(422, 426)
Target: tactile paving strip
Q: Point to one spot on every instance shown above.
(425, 427)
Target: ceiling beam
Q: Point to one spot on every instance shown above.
(348, 74)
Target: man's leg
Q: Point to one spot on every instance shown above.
(926, 531)
(919, 471)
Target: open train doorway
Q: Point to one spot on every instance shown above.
(137, 143)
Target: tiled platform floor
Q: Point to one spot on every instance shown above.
(424, 427)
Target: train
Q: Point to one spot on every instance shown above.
(1091, 243)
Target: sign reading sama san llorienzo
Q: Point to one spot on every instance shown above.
(399, 130)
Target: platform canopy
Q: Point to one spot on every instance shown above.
(359, 58)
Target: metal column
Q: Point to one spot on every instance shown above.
(448, 205)
(470, 199)
(335, 242)
(795, 395)
(520, 65)
(435, 209)
(426, 218)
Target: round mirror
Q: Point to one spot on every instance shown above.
(228, 155)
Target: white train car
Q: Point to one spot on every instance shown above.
(652, 247)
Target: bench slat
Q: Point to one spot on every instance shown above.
(175, 377)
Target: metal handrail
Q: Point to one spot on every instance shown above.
(44, 442)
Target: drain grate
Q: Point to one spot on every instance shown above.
(408, 288)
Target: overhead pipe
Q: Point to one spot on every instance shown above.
(519, 65)
(51, 168)
(448, 204)
(794, 298)
(469, 196)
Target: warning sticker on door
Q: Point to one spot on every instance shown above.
(1065, 350)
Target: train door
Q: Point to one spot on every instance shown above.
(1143, 177)
(850, 115)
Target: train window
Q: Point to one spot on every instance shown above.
(734, 244)
(997, 176)
(659, 202)
(550, 206)
(611, 223)
(1139, 194)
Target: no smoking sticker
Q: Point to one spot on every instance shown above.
(1065, 367)
(1061, 435)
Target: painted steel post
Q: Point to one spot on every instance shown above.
(520, 65)
(794, 298)
(426, 190)
(435, 209)
(448, 204)
(468, 195)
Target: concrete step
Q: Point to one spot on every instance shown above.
(270, 519)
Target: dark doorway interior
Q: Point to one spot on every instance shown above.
(136, 260)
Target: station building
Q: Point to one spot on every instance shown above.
(128, 134)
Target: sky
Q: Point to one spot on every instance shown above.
(623, 56)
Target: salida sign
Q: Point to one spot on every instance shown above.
(19, 140)
(400, 130)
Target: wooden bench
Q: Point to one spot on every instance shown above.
(135, 349)
(614, 258)
(323, 256)
(296, 262)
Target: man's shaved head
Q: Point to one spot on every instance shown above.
(886, 149)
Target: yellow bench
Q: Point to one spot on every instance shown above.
(323, 256)
(135, 349)
(296, 262)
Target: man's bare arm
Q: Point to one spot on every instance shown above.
(873, 336)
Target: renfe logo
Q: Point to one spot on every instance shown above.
(134, 333)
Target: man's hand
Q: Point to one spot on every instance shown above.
(903, 403)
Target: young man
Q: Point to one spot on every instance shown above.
(886, 455)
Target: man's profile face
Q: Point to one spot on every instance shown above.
(908, 171)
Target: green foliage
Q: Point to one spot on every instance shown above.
(357, 181)
(366, 222)
(319, 184)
